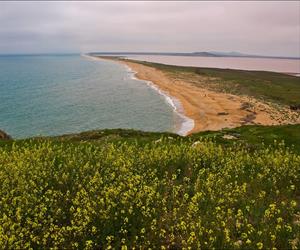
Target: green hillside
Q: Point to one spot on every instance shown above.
(125, 189)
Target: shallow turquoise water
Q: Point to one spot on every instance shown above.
(51, 95)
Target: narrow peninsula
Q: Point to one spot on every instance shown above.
(224, 98)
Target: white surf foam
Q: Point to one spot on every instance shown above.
(187, 124)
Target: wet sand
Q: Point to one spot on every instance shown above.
(213, 110)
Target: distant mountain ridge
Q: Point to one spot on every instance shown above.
(200, 53)
(232, 53)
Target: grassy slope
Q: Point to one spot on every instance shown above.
(255, 135)
(108, 188)
(246, 135)
(271, 86)
(249, 136)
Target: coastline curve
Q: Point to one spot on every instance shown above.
(187, 124)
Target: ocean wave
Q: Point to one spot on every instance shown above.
(187, 124)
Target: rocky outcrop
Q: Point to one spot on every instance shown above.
(4, 136)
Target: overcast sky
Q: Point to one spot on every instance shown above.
(268, 28)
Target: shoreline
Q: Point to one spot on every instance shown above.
(187, 124)
(209, 109)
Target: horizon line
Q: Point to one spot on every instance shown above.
(212, 53)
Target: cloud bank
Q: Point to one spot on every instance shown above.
(268, 28)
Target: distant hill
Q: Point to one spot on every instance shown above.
(204, 53)
(232, 53)
(200, 54)
(238, 54)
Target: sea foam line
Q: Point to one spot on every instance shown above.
(187, 123)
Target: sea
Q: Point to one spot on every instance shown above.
(59, 94)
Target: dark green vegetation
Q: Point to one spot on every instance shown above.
(253, 136)
(270, 86)
(125, 188)
(247, 136)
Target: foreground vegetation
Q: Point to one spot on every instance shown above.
(124, 189)
(285, 88)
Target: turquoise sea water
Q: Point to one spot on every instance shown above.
(51, 95)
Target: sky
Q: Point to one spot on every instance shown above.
(265, 28)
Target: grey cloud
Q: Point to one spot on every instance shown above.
(252, 27)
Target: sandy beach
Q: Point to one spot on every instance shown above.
(212, 110)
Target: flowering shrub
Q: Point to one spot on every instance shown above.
(159, 195)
